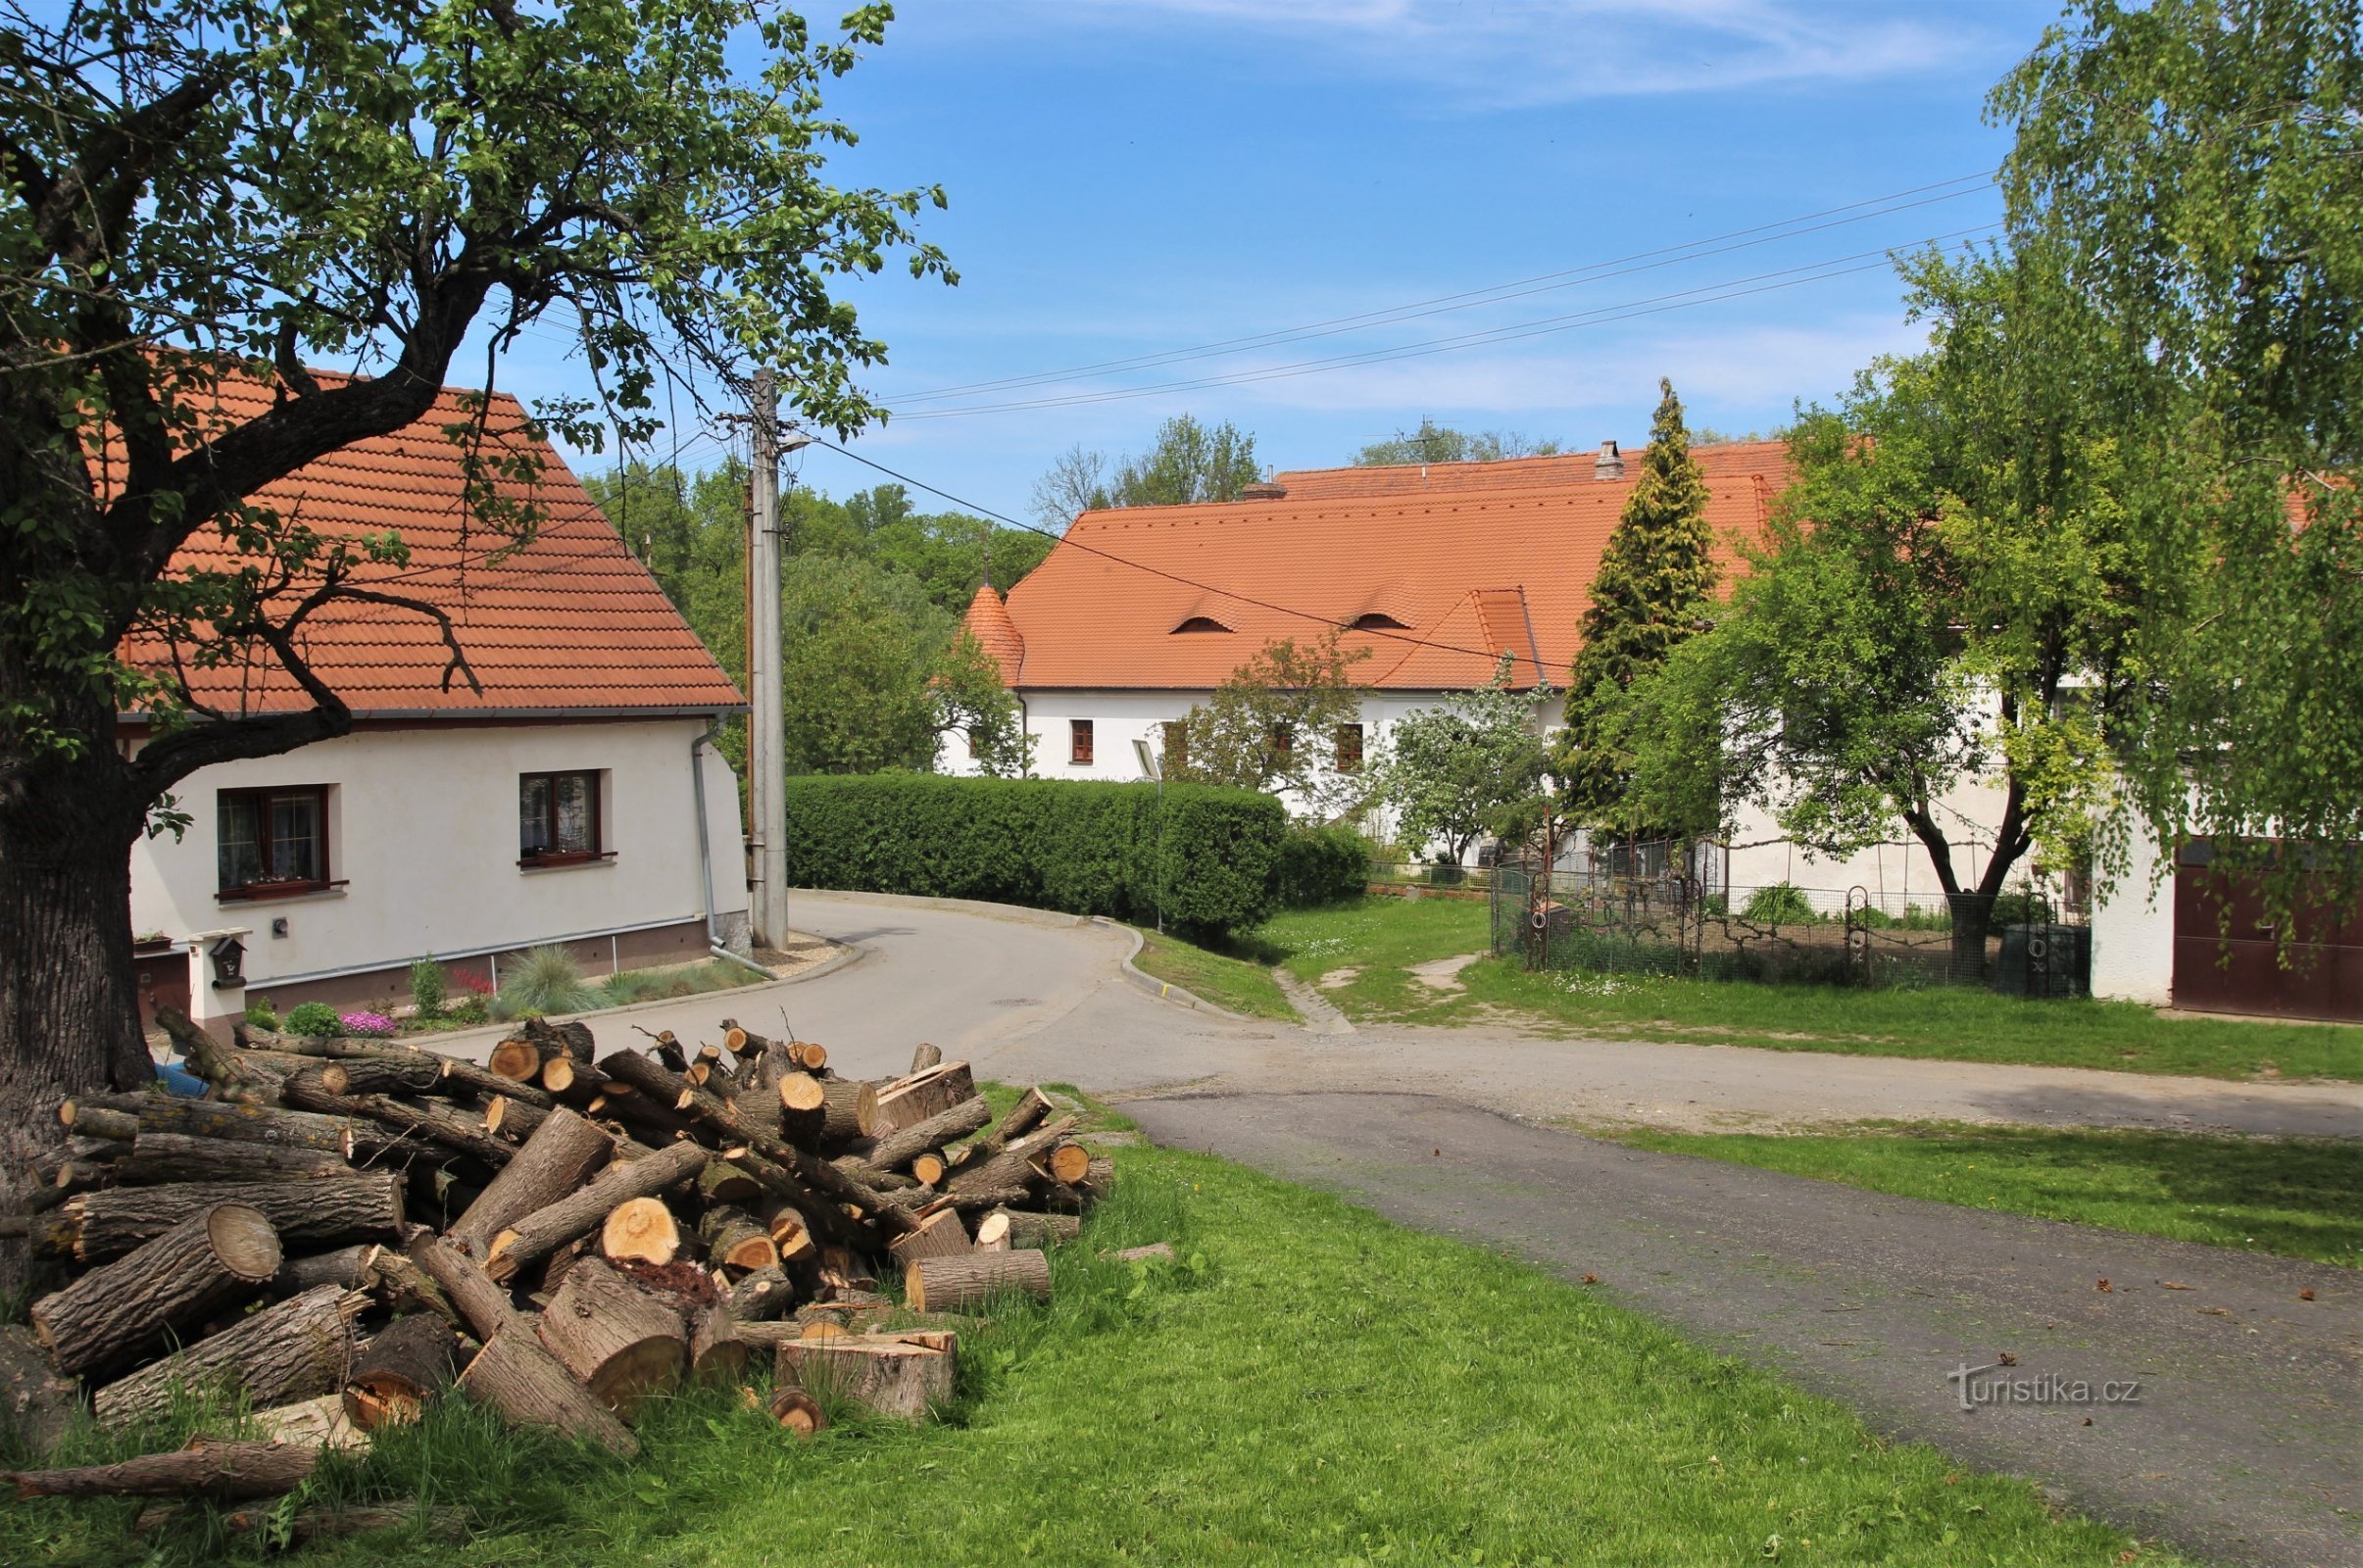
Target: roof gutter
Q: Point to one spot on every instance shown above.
(364, 715)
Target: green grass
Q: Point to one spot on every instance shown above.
(1311, 1384)
(1381, 938)
(2302, 1198)
(1227, 979)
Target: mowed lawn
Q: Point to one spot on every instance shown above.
(1366, 950)
(1309, 1384)
(2299, 1197)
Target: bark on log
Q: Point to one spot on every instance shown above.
(1026, 1228)
(667, 1049)
(894, 1378)
(347, 1266)
(802, 1109)
(384, 1075)
(939, 1234)
(622, 1342)
(537, 1234)
(955, 1282)
(641, 1229)
(822, 1218)
(1031, 1107)
(397, 1281)
(797, 1411)
(484, 1081)
(717, 1353)
(1066, 1163)
(216, 1118)
(204, 1468)
(513, 1120)
(563, 1154)
(907, 1101)
(230, 1072)
(324, 1212)
(848, 1110)
(720, 1183)
(1013, 1165)
(426, 1119)
(810, 1055)
(898, 1149)
(482, 1305)
(180, 1158)
(534, 1043)
(762, 1296)
(408, 1364)
(527, 1387)
(85, 1120)
(733, 1239)
(301, 1347)
(649, 1077)
(213, 1259)
(36, 1404)
(927, 1056)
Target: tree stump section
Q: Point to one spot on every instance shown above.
(528, 1387)
(297, 1350)
(718, 1352)
(322, 1213)
(940, 1235)
(762, 1296)
(183, 1157)
(206, 1468)
(211, 1261)
(642, 1230)
(894, 1378)
(1066, 1164)
(848, 1110)
(797, 1411)
(1024, 1228)
(564, 1152)
(624, 1342)
(733, 1240)
(907, 1101)
(541, 1233)
(955, 1282)
(408, 1364)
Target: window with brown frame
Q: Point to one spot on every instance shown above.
(1284, 743)
(557, 817)
(273, 842)
(1349, 747)
(1178, 749)
(1078, 740)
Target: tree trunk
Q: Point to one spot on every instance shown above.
(899, 1147)
(326, 1211)
(68, 1003)
(527, 1387)
(958, 1281)
(939, 1234)
(405, 1366)
(621, 1340)
(913, 1100)
(717, 1353)
(563, 1153)
(295, 1350)
(481, 1303)
(204, 1468)
(894, 1378)
(178, 1157)
(36, 1404)
(114, 1314)
(340, 1136)
(848, 1110)
(543, 1232)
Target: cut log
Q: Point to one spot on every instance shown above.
(791, 1232)
(477, 1079)
(907, 1101)
(898, 1149)
(512, 1119)
(641, 1229)
(622, 1342)
(1026, 1228)
(211, 1261)
(1066, 1163)
(844, 1270)
(563, 1154)
(318, 1213)
(406, 1365)
(430, 1120)
(528, 1387)
(1031, 1107)
(821, 1217)
(232, 1073)
(87, 1120)
(797, 1411)
(810, 1055)
(484, 1306)
(720, 1183)
(803, 1110)
(36, 1404)
(733, 1239)
(1013, 1165)
(939, 1234)
(1098, 1180)
(180, 1158)
(301, 1347)
(397, 1281)
(667, 1049)
(848, 1110)
(534, 1043)
(993, 1232)
(927, 1056)
(893, 1378)
(347, 1266)
(204, 1468)
(762, 1296)
(1154, 1252)
(717, 1353)
(539, 1233)
(447, 1525)
(928, 1169)
(384, 1075)
(957, 1282)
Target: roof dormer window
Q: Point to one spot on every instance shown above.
(1199, 624)
(1376, 620)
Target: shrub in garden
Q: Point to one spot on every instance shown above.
(1323, 865)
(429, 987)
(1213, 858)
(316, 1019)
(261, 1014)
(545, 980)
(1778, 904)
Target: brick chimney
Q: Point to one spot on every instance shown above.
(1264, 490)
(1610, 464)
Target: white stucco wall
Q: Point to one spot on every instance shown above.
(2132, 931)
(424, 834)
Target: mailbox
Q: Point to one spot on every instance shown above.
(229, 964)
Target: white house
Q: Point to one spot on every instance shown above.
(1436, 570)
(576, 799)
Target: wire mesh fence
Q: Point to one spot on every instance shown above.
(1652, 917)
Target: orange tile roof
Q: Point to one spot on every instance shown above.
(569, 623)
(988, 621)
(1477, 560)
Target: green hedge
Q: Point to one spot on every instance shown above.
(1086, 847)
(1323, 865)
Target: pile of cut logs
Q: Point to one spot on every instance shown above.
(347, 1229)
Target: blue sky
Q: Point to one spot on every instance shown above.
(1134, 178)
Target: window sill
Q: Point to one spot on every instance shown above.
(301, 893)
(565, 863)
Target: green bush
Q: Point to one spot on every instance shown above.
(261, 1014)
(1780, 904)
(1085, 848)
(1323, 865)
(316, 1019)
(429, 987)
(545, 980)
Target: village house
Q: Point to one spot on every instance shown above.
(576, 799)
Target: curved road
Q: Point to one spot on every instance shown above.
(2245, 1442)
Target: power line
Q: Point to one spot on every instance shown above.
(1615, 267)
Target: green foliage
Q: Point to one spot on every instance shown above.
(1459, 767)
(1778, 904)
(429, 987)
(1190, 462)
(1322, 864)
(1086, 847)
(1440, 443)
(1272, 724)
(2197, 171)
(1652, 592)
(541, 981)
(259, 1015)
(627, 986)
(316, 1019)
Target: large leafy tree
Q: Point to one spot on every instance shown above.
(1465, 765)
(1273, 725)
(2196, 166)
(201, 189)
(1440, 443)
(1190, 462)
(1653, 591)
(1948, 595)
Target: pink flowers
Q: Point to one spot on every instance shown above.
(368, 1024)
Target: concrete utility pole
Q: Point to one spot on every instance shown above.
(767, 740)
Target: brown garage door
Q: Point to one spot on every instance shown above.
(2227, 952)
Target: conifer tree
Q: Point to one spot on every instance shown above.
(1654, 581)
